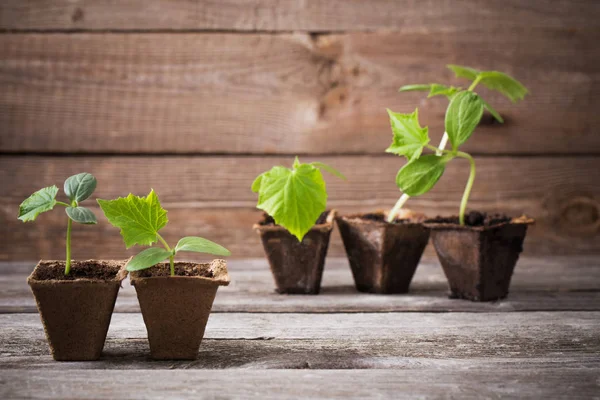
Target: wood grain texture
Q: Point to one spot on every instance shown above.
(286, 15)
(287, 93)
(211, 197)
(408, 341)
(539, 283)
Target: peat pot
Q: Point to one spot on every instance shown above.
(479, 257)
(176, 308)
(76, 309)
(383, 256)
(297, 267)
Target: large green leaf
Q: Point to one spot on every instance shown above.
(148, 258)
(81, 186)
(201, 245)
(81, 215)
(419, 176)
(505, 84)
(140, 218)
(463, 114)
(408, 136)
(41, 201)
(295, 198)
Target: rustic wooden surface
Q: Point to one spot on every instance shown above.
(286, 93)
(542, 342)
(211, 197)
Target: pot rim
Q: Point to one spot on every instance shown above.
(118, 278)
(522, 220)
(357, 218)
(324, 227)
(217, 266)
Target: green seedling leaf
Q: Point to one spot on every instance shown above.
(295, 198)
(256, 183)
(505, 84)
(491, 110)
(148, 258)
(442, 90)
(435, 89)
(81, 215)
(417, 87)
(419, 176)
(140, 218)
(463, 114)
(201, 245)
(41, 201)
(329, 169)
(81, 186)
(408, 136)
(464, 72)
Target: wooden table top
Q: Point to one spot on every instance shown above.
(542, 341)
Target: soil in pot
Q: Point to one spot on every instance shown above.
(479, 258)
(297, 267)
(76, 309)
(176, 308)
(383, 256)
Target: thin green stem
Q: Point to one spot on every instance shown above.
(392, 215)
(474, 84)
(172, 257)
(467, 192)
(68, 259)
(60, 203)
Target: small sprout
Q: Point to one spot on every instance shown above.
(140, 219)
(463, 114)
(295, 197)
(77, 188)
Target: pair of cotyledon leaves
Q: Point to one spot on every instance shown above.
(140, 219)
(77, 188)
(464, 112)
(295, 197)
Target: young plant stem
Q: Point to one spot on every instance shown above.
(404, 198)
(467, 192)
(474, 84)
(68, 259)
(172, 257)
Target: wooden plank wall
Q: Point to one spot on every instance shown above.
(195, 98)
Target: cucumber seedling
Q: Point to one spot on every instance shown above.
(77, 188)
(140, 219)
(295, 197)
(463, 114)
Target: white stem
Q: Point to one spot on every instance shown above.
(442, 145)
(392, 215)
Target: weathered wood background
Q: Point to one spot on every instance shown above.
(195, 98)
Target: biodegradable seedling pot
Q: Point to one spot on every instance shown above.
(76, 309)
(479, 257)
(297, 267)
(176, 308)
(383, 256)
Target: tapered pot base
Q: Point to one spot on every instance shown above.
(479, 260)
(297, 267)
(383, 256)
(76, 309)
(176, 308)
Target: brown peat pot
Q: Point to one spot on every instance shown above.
(76, 309)
(297, 267)
(479, 257)
(176, 308)
(383, 256)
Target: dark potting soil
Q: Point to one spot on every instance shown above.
(474, 218)
(379, 217)
(181, 269)
(268, 220)
(91, 269)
